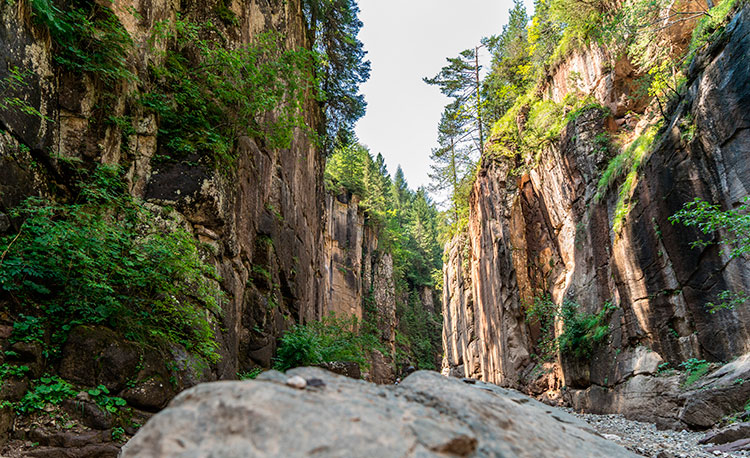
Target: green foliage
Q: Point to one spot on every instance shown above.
(406, 220)
(419, 337)
(734, 228)
(8, 370)
(107, 259)
(544, 312)
(207, 95)
(581, 332)
(513, 52)
(626, 163)
(251, 374)
(452, 165)
(462, 128)
(10, 86)
(100, 395)
(727, 300)
(332, 339)
(88, 37)
(47, 390)
(333, 26)
(345, 168)
(733, 224)
(712, 24)
(694, 369)
(664, 369)
(28, 328)
(118, 432)
(542, 122)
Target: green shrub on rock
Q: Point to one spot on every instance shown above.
(106, 259)
(332, 339)
(581, 332)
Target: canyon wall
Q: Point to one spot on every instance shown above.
(261, 222)
(356, 273)
(545, 231)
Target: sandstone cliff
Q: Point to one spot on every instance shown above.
(261, 222)
(545, 231)
(356, 274)
(360, 280)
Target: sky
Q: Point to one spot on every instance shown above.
(407, 40)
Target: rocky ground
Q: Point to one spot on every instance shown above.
(646, 440)
(426, 415)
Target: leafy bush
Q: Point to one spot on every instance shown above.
(88, 37)
(46, 390)
(712, 24)
(9, 370)
(118, 432)
(628, 164)
(14, 82)
(332, 339)
(251, 374)
(694, 369)
(106, 259)
(581, 333)
(734, 226)
(709, 219)
(100, 395)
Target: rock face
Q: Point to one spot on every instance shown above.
(357, 275)
(544, 232)
(425, 415)
(356, 272)
(261, 222)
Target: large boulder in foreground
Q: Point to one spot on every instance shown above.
(334, 416)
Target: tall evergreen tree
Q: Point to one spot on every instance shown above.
(459, 80)
(334, 26)
(452, 160)
(345, 168)
(400, 195)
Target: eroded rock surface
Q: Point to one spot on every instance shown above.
(545, 231)
(425, 415)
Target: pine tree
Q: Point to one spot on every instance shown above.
(376, 189)
(334, 26)
(400, 195)
(346, 169)
(459, 80)
(452, 160)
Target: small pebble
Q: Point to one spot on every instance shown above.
(296, 382)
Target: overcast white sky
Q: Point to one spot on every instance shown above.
(407, 40)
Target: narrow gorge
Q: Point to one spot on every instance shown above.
(199, 256)
(550, 231)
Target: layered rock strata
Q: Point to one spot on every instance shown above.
(546, 232)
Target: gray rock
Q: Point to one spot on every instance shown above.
(727, 434)
(426, 415)
(721, 393)
(736, 446)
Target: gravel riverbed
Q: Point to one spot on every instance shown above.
(646, 440)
